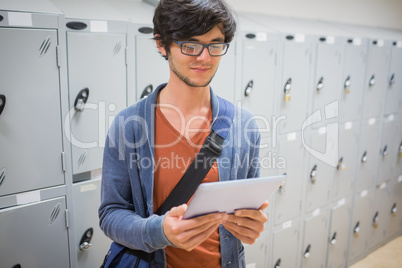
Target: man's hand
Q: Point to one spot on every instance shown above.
(187, 234)
(247, 224)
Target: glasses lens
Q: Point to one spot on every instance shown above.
(217, 49)
(191, 48)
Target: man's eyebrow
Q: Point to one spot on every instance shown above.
(218, 39)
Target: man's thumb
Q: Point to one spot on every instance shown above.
(178, 211)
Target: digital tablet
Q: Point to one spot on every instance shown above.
(228, 196)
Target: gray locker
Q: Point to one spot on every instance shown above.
(256, 253)
(35, 235)
(314, 247)
(294, 84)
(91, 243)
(344, 175)
(339, 234)
(367, 158)
(394, 90)
(30, 110)
(97, 86)
(352, 79)
(389, 149)
(288, 199)
(361, 225)
(395, 209)
(285, 245)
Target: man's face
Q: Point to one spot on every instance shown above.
(195, 71)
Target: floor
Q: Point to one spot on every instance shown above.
(388, 256)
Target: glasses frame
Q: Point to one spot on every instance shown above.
(180, 43)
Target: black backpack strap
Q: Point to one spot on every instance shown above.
(204, 160)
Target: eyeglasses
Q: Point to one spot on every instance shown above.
(195, 49)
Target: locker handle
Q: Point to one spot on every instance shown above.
(400, 150)
(77, 25)
(356, 230)
(333, 239)
(2, 103)
(392, 80)
(313, 174)
(81, 100)
(384, 150)
(320, 84)
(249, 88)
(340, 165)
(375, 220)
(394, 209)
(282, 189)
(147, 91)
(347, 84)
(364, 157)
(307, 252)
(278, 264)
(86, 239)
(287, 88)
(1, 17)
(372, 81)
(17, 266)
(145, 30)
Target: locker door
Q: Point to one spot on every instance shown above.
(285, 245)
(339, 234)
(92, 244)
(294, 84)
(223, 82)
(314, 246)
(361, 225)
(319, 176)
(389, 150)
(151, 68)
(368, 154)
(256, 253)
(394, 89)
(96, 63)
(258, 77)
(327, 74)
(35, 235)
(345, 171)
(30, 116)
(376, 78)
(288, 198)
(352, 80)
(395, 209)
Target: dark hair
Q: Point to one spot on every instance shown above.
(183, 19)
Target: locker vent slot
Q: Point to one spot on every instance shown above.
(45, 46)
(55, 212)
(117, 48)
(3, 173)
(82, 159)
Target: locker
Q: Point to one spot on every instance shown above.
(394, 208)
(367, 158)
(352, 79)
(339, 233)
(91, 243)
(295, 73)
(96, 96)
(285, 245)
(30, 111)
(389, 149)
(256, 253)
(394, 89)
(288, 199)
(35, 235)
(344, 175)
(314, 246)
(361, 225)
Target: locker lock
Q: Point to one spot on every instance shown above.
(81, 100)
(356, 230)
(347, 84)
(340, 165)
(400, 150)
(394, 209)
(287, 88)
(384, 151)
(392, 80)
(282, 187)
(85, 242)
(147, 91)
(307, 252)
(372, 81)
(333, 239)
(278, 263)
(375, 220)
(320, 84)
(364, 157)
(249, 88)
(2, 103)
(313, 174)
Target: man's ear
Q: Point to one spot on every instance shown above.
(160, 46)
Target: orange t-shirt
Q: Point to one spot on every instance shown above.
(173, 154)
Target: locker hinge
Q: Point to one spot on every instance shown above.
(58, 56)
(63, 161)
(67, 218)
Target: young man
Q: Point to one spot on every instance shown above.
(151, 144)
